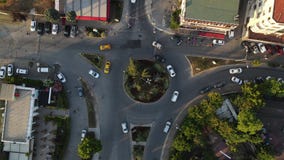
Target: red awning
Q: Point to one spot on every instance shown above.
(212, 35)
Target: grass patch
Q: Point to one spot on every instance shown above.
(200, 64)
(174, 22)
(62, 100)
(28, 82)
(90, 106)
(140, 134)
(95, 59)
(62, 135)
(138, 151)
(144, 82)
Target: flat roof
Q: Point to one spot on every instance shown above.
(7, 91)
(18, 116)
(278, 14)
(212, 10)
(88, 9)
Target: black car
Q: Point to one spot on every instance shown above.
(219, 85)
(47, 27)
(80, 92)
(205, 89)
(40, 28)
(67, 30)
(258, 80)
(159, 58)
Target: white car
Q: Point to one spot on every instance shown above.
(261, 47)
(218, 42)
(235, 70)
(61, 77)
(255, 50)
(83, 134)
(33, 26)
(54, 29)
(237, 80)
(94, 74)
(156, 45)
(167, 127)
(124, 127)
(175, 96)
(22, 71)
(133, 1)
(2, 72)
(171, 70)
(10, 70)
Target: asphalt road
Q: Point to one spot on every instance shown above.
(113, 105)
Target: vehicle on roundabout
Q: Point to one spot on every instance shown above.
(124, 127)
(175, 96)
(107, 67)
(61, 77)
(205, 89)
(167, 127)
(171, 70)
(94, 73)
(156, 45)
(104, 47)
(237, 80)
(235, 70)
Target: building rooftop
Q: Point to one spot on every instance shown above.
(7, 91)
(212, 10)
(88, 9)
(278, 14)
(18, 116)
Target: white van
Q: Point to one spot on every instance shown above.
(42, 69)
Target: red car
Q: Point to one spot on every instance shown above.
(279, 50)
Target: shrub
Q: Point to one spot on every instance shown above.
(175, 21)
(273, 64)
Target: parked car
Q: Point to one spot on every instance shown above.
(55, 28)
(94, 74)
(179, 42)
(218, 42)
(40, 28)
(104, 47)
(171, 70)
(10, 70)
(33, 26)
(42, 69)
(73, 32)
(235, 70)
(22, 71)
(219, 84)
(83, 134)
(261, 48)
(80, 91)
(280, 80)
(205, 89)
(156, 45)
(237, 80)
(67, 30)
(279, 50)
(160, 58)
(2, 72)
(61, 77)
(175, 96)
(107, 67)
(255, 50)
(124, 127)
(258, 80)
(133, 1)
(47, 27)
(167, 127)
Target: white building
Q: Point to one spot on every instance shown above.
(18, 120)
(266, 16)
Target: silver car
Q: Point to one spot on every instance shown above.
(167, 127)
(171, 70)
(94, 73)
(73, 32)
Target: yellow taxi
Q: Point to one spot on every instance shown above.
(104, 47)
(107, 67)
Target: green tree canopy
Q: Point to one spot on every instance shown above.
(88, 147)
(132, 68)
(248, 123)
(71, 16)
(51, 14)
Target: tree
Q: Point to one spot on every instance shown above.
(51, 14)
(248, 123)
(132, 69)
(264, 155)
(88, 147)
(71, 16)
(145, 73)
